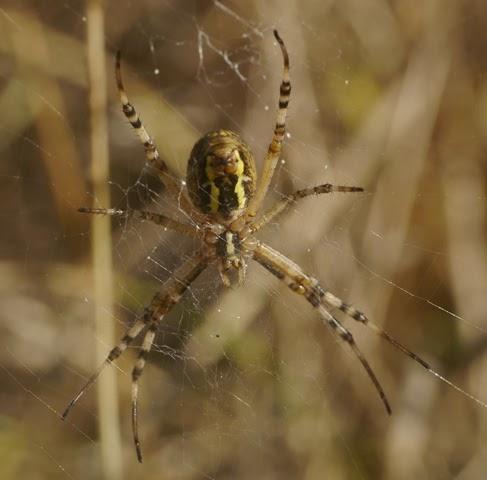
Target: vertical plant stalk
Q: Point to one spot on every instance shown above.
(108, 418)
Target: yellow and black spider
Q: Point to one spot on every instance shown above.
(223, 205)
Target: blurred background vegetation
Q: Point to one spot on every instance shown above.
(390, 95)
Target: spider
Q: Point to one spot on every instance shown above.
(223, 199)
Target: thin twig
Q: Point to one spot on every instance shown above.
(110, 441)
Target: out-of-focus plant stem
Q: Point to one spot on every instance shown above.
(110, 442)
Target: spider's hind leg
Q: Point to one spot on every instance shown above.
(274, 149)
(152, 154)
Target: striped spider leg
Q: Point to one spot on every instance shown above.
(157, 218)
(152, 154)
(299, 282)
(289, 200)
(273, 155)
(274, 150)
(291, 274)
(161, 304)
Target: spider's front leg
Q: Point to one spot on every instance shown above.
(160, 306)
(293, 276)
(299, 282)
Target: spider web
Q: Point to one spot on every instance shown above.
(247, 382)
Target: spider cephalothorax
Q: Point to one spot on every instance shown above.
(225, 247)
(225, 216)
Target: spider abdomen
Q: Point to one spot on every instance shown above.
(221, 175)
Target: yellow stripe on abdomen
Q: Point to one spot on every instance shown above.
(239, 188)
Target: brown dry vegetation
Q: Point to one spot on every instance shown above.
(390, 95)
